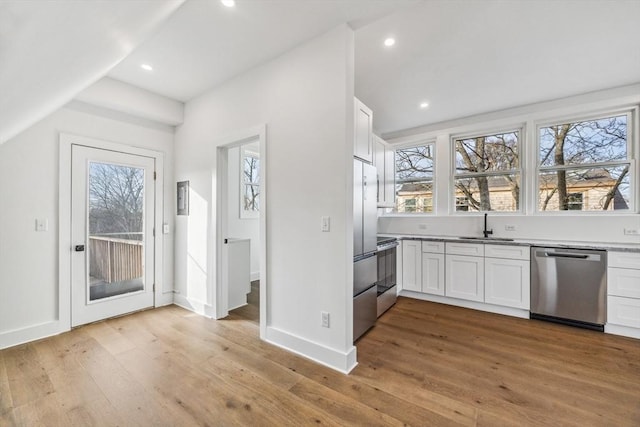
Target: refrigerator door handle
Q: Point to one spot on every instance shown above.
(364, 183)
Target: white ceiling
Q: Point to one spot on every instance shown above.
(471, 57)
(51, 50)
(464, 57)
(205, 43)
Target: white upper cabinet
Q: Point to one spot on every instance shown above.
(363, 128)
(383, 160)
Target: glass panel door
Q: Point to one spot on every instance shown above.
(116, 230)
(112, 220)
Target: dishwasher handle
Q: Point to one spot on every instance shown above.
(563, 255)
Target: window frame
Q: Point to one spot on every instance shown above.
(244, 150)
(414, 144)
(521, 130)
(631, 113)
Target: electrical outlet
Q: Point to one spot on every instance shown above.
(422, 226)
(631, 231)
(325, 224)
(325, 319)
(510, 227)
(42, 224)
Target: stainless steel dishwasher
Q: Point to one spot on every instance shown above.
(569, 286)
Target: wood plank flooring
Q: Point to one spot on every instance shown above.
(423, 364)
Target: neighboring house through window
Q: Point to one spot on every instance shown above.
(487, 172)
(585, 165)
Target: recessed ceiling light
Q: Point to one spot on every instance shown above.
(228, 3)
(146, 67)
(424, 105)
(389, 42)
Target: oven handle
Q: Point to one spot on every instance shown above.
(387, 246)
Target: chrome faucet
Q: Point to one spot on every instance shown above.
(486, 232)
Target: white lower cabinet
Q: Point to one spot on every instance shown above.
(623, 289)
(623, 311)
(496, 276)
(507, 282)
(433, 268)
(464, 277)
(412, 265)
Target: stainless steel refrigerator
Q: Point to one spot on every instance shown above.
(365, 230)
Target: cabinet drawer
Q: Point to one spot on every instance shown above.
(472, 249)
(506, 251)
(623, 282)
(433, 247)
(623, 259)
(623, 311)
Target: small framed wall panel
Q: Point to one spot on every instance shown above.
(182, 201)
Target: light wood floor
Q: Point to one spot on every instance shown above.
(424, 364)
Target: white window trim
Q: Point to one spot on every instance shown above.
(246, 214)
(434, 149)
(521, 129)
(632, 160)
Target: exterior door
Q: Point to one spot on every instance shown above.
(112, 221)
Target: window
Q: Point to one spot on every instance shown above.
(250, 180)
(487, 173)
(462, 204)
(585, 165)
(575, 201)
(414, 179)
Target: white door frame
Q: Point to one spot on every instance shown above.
(221, 286)
(65, 245)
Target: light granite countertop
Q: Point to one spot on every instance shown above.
(620, 247)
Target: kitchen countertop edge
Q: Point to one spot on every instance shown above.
(619, 247)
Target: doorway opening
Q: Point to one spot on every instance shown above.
(241, 220)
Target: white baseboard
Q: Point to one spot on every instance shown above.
(624, 331)
(197, 307)
(334, 359)
(31, 333)
(480, 306)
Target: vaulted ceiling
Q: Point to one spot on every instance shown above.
(463, 57)
(51, 50)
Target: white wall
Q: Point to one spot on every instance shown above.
(29, 176)
(242, 228)
(305, 98)
(529, 224)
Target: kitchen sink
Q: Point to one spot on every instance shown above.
(497, 239)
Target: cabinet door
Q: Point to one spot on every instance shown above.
(506, 282)
(378, 162)
(433, 273)
(389, 185)
(412, 265)
(363, 142)
(465, 277)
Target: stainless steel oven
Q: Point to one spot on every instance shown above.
(386, 283)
